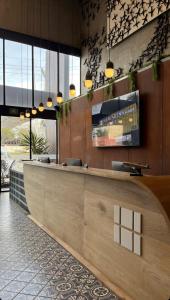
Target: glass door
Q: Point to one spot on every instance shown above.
(14, 132)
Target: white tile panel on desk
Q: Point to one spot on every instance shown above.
(137, 222)
(116, 233)
(127, 218)
(127, 239)
(117, 214)
(137, 244)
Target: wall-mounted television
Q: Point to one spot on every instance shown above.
(116, 122)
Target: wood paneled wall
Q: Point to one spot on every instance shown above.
(75, 131)
(25, 16)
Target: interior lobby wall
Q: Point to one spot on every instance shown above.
(76, 128)
(24, 16)
(125, 52)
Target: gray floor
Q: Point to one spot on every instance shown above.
(34, 266)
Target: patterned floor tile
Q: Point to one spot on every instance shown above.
(7, 295)
(32, 289)
(49, 291)
(15, 286)
(41, 278)
(25, 276)
(34, 266)
(10, 274)
(3, 283)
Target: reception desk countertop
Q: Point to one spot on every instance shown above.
(158, 185)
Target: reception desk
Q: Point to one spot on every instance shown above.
(117, 223)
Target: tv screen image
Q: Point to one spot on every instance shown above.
(116, 122)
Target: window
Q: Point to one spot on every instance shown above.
(45, 75)
(43, 138)
(18, 74)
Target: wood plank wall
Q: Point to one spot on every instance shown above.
(31, 17)
(75, 132)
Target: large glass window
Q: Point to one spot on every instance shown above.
(69, 73)
(18, 74)
(14, 133)
(45, 75)
(43, 139)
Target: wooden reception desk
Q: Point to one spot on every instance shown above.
(76, 205)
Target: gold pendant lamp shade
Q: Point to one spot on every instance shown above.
(88, 83)
(49, 102)
(59, 98)
(22, 116)
(34, 111)
(41, 107)
(109, 71)
(72, 91)
(27, 114)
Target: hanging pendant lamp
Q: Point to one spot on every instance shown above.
(72, 91)
(59, 98)
(109, 71)
(34, 111)
(27, 113)
(22, 115)
(88, 83)
(49, 102)
(41, 107)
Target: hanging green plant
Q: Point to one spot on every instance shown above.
(90, 95)
(132, 81)
(109, 90)
(155, 70)
(69, 106)
(59, 113)
(66, 109)
(113, 89)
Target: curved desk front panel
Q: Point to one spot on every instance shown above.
(120, 224)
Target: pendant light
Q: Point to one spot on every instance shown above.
(109, 71)
(22, 114)
(41, 107)
(72, 90)
(88, 82)
(60, 99)
(27, 113)
(49, 100)
(34, 111)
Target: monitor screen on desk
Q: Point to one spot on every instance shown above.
(116, 122)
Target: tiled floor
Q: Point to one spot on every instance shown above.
(34, 266)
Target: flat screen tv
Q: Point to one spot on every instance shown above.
(116, 122)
